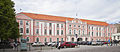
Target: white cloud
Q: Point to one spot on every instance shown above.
(99, 10)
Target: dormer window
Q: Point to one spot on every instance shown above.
(27, 23)
(21, 22)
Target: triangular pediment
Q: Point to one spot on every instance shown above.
(22, 16)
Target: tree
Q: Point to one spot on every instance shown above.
(8, 24)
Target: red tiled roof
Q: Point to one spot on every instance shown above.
(59, 18)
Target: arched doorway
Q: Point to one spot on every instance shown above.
(86, 39)
(72, 39)
(27, 39)
(37, 39)
(79, 39)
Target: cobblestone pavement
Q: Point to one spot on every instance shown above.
(81, 48)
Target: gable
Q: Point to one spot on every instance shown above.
(22, 16)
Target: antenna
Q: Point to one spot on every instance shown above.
(76, 10)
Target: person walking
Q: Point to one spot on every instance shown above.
(116, 42)
(59, 45)
(14, 45)
(109, 42)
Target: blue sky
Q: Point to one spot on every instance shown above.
(99, 10)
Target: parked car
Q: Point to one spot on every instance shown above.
(49, 43)
(5, 45)
(105, 42)
(100, 43)
(83, 42)
(46, 43)
(38, 44)
(89, 42)
(76, 43)
(67, 44)
(54, 44)
(97, 43)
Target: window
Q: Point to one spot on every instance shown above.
(74, 31)
(57, 25)
(27, 23)
(83, 27)
(70, 31)
(70, 26)
(104, 34)
(37, 23)
(96, 33)
(21, 22)
(27, 30)
(83, 32)
(21, 30)
(37, 31)
(118, 37)
(100, 34)
(50, 24)
(108, 34)
(92, 28)
(61, 25)
(78, 25)
(45, 24)
(89, 33)
(50, 32)
(45, 40)
(92, 33)
(89, 27)
(74, 25)
(79, 32)
(114, 37)
(57, 32)
(99, 28)
(61, 32)
(45, 31)
(96, 28)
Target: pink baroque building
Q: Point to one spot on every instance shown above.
(47, 28)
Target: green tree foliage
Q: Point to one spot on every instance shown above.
(8, 24)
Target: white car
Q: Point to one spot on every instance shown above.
(38, 44)
(51, 43)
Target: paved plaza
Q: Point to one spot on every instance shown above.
(81, 48)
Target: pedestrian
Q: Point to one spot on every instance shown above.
(59, 45)
(14, 45)
(109, 42)
(116, 42)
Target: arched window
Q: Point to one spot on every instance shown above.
(72, 39)
(37, 39)
(45, 40)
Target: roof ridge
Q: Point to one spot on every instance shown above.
(60, 18)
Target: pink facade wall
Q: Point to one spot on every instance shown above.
(33, 26)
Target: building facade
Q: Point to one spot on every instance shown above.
(47, 28)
